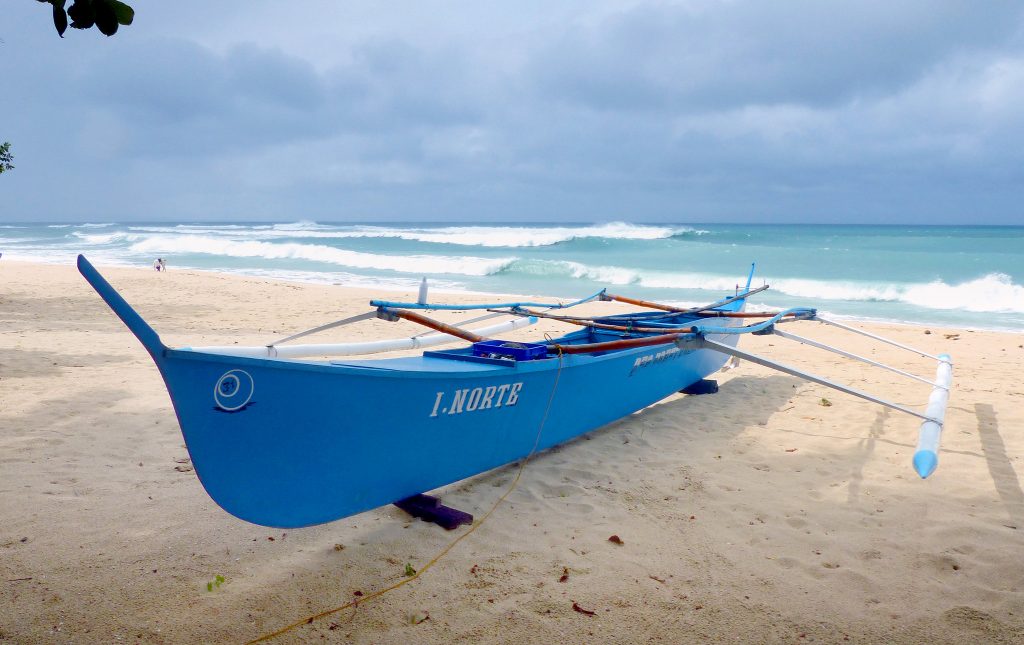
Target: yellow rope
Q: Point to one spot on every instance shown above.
(446, 549)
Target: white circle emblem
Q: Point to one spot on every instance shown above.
(233, 390)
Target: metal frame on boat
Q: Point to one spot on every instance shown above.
(284, 442)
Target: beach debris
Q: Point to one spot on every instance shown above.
(825, 403)
(183, 468)
(217, 581)
(419, 617)
(409, 571)
(576, 607)
(790, 449)
(182, 460)
(565, 574)
(927, 332)
(616, 539)
(357, 593)
(339, 547)
(472, 569)
(656, 579)
(952, 336)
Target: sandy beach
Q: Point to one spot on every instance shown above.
(756, 514)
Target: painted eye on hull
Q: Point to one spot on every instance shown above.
(233, 390)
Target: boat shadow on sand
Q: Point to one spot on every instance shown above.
(679, 432)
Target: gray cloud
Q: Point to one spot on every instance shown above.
(799, 111)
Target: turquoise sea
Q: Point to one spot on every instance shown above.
(959, 276)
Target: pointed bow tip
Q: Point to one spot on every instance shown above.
(925, 462)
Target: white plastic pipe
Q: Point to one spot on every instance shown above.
(351, 349)
(926, 458)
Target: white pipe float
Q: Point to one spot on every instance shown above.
(351, 349)
(926, 458)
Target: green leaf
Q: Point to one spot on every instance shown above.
(82, 15)
(60, 18)
(125, 14)
(209, 586)
(409, 571)
(106, 18)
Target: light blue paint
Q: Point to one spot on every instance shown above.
(318, 441)
(925, 462)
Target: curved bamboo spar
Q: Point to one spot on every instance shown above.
(436, 325)
(692, 310)
(627, 343)
(640, 328)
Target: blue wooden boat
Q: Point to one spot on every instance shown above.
(284, 442)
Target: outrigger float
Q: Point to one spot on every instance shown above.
(283, 442)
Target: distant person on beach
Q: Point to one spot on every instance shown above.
(159, 264)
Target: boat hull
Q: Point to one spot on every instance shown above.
(291, 444)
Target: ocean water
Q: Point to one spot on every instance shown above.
(958, 276)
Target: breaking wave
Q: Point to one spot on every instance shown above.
(417, 264)
(620, 275)
(482, 236)
(992, 293)
(107, 238)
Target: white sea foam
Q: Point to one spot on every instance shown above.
(622, 275)
(342, 278)
(107, 238)
(993, 293)
(417, 264)
(484, 236)
(301, 225)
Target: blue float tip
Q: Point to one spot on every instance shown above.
(925, 462)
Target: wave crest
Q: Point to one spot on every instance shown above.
(416, 264)
(992, 293)
(482, 236)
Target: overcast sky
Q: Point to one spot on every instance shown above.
(702, 111)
